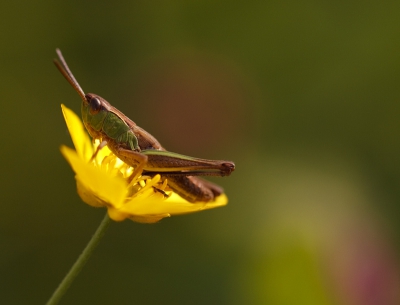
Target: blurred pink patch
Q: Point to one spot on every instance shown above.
(364, 269)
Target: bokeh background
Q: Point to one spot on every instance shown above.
(304, 96)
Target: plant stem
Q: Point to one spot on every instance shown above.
(80, 262)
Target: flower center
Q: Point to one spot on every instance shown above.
(136, 187)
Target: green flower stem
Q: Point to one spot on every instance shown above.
(80, 262)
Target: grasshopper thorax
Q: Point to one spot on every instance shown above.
(105, 122)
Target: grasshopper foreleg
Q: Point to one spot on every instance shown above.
(101, 146)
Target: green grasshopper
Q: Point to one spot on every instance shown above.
(139, 149)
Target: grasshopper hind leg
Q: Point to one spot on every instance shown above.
(130, 157)
(215, 189)
(194, 189)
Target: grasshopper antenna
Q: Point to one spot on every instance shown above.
(63, 68)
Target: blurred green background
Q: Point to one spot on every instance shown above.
(303, 96)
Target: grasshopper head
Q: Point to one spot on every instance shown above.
(94, 111)
(94, 103)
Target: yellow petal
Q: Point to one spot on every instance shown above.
(88, 196)
(179, 206)
(174, 205)
(118, 215)
(149, 218)
(78, 134)
(111, 189)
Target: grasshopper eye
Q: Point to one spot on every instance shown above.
(95, 105)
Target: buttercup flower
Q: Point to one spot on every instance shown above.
(103, 181)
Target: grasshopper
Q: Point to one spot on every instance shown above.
(139, 149)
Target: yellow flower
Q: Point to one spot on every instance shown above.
(102, 181)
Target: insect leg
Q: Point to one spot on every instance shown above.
(132, 158)
(176, 164)
(101, 145)
(194, 189)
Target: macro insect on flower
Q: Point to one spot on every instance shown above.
(103, 181)
(127, 170)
